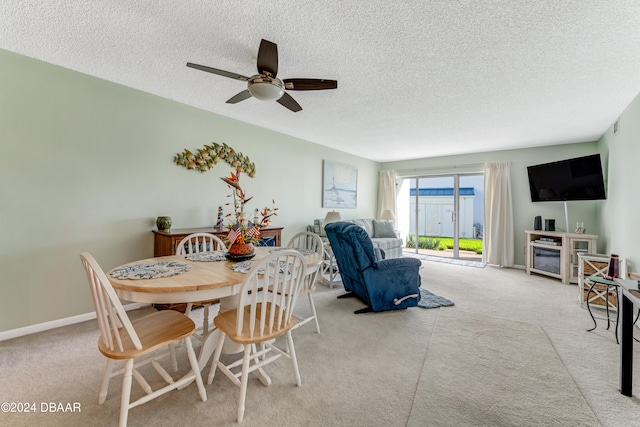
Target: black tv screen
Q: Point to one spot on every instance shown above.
(572, 179)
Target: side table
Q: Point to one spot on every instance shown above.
(329, 266)
(610, 285)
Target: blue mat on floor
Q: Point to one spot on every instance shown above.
(429, 300)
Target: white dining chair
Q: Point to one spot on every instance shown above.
(309, 241)
(264, 312)
(193, 244)
(124, 339)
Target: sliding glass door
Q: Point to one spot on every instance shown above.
(443, 215)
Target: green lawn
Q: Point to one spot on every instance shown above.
(442, 243)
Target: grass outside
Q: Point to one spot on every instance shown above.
(442, 243)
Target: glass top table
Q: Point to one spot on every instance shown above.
(610, 284)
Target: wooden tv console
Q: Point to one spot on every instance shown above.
(567, 246)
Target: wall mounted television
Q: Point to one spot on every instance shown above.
(572, 179)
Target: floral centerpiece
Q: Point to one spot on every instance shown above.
(243, 232)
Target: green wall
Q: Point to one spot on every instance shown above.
(619, 216)
(87, 166)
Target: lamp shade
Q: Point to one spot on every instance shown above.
(387, 215)
(266, 91)
(332, 216)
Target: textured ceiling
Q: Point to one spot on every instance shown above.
(415, 78)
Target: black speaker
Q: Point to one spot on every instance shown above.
(549, 225)
(537, 223)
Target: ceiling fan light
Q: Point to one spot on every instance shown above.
(266, 91)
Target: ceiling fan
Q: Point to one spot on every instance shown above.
(265, 86)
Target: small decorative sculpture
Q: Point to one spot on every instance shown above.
(219, 222)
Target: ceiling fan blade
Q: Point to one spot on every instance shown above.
(287, 101)
(268, 58)
(239, 97)
(218, 72)
(309, 84)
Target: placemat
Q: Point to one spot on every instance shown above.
(150, 271)
(245, 267)
(208, 256)
(303, 251)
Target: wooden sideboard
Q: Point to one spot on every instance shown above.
(165, 241)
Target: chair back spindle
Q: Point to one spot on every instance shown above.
(309, 241)
(192, 244)
(200, 242)
(270, 292)
(112, 318)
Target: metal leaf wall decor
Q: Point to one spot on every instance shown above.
(206, 158)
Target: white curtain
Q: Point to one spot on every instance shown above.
(498, 221)
(387, 192)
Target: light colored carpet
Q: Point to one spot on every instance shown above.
(360, 369)
(460, 365)
(484, 371)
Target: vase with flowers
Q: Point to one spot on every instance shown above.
(243, 233)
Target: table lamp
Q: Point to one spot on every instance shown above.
(332, 216)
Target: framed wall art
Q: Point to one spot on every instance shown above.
(339, 185)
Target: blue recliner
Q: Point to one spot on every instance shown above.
(382, 284)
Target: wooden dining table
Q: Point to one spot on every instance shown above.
(201, 282)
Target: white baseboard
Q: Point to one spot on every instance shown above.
(41, 327)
